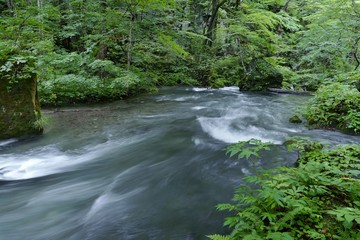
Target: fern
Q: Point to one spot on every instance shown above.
(218, 237)
(319, 199)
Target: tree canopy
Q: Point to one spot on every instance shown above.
(91, 51)
(111, 49)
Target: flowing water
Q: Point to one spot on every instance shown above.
(152, 167)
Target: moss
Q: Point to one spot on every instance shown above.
(19, 106)
(295, 119)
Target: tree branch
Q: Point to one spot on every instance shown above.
(286, 6)
(355, 10)
(355, 53)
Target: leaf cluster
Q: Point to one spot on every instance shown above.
(248, 149)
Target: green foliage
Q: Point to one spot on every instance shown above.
(71, 88)
(326, 47)
(303, 81)
(252, 44)
(349, 78)
(335, 106)
(261, 76)
(317, 200)
(303, 145)
(218, 237)
(41, 122)
(227, 70)
(247, 149)
(348, 216)
(173, 47)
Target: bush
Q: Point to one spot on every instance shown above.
(71, 88)
(306, 81)
(262, 75)
(320, 199)
(335, 106)
(67, 89)
(226, 71)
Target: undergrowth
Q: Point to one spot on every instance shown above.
(319, 199)
(335, 106)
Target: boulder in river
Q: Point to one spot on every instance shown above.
(295, 119)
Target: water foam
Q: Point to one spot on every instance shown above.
(198, 108)
(33, 164)
(220, 129)
(7, 142)
(231, 89)
(197, 89)
(242, 123)
(42, 162)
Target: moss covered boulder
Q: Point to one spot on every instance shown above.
(19, 104)
(295, 119)
(261, 76)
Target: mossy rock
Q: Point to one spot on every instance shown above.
(295, 119)
(19, 105)
(262, 76)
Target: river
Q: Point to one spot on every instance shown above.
(150, 167)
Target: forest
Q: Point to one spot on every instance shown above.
(95, 51)
(69, 53)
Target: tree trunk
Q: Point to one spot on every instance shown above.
(130, 40)
(11, 6)
(102, 53)
(212, 24)
(355, 51)
(19, 106)
(286, 7)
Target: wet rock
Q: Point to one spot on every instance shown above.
(295, 119)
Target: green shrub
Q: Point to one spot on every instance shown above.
(201, 72)
(320, 199)
(306, 81)
(261, 76)
(351, 78)
(226, 71)
(335, 106)
(71, 88)
(67, 89)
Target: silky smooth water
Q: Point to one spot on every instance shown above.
(152, 167)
